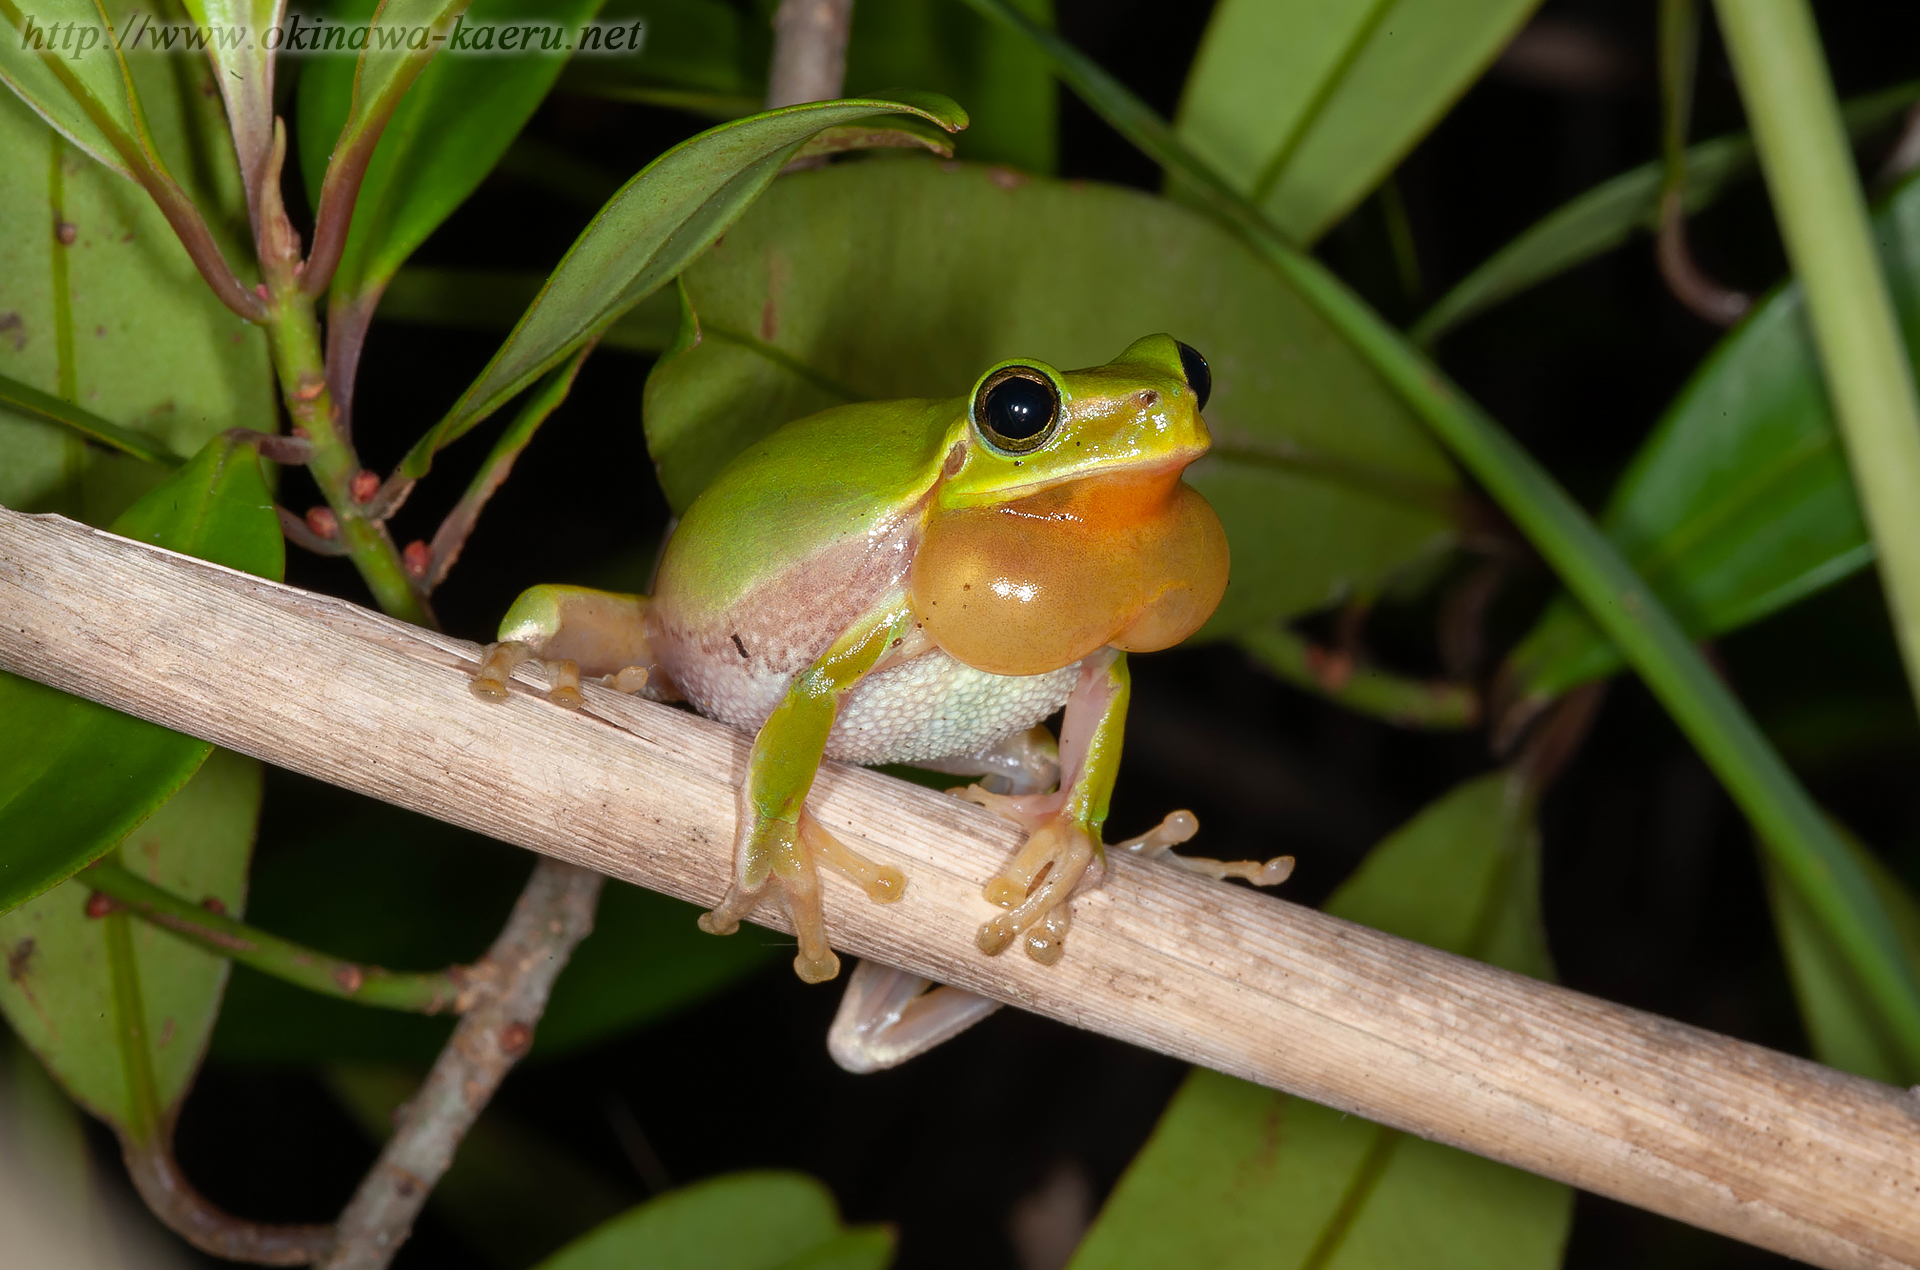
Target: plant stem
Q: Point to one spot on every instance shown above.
(1790, 826)
(293, 334)
(552, 916)
(315, 971)
(1408, 702)
(1777, 59)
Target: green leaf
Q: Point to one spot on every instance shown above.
(657, 224)
(477, 300)
(1740, 503)
(29, 402)
(89, 97)
(903, 278)
(702, 56)
(244, 69)
(1846, 1030)
(1615, 210)
(349, 112)
(942, 45)
(117, 322)
(1313, 1187)
(740, 1221)
(58, 995)
(447, 133)
(75, 776)
(708, 58)
(381, 886)
(1304, 105)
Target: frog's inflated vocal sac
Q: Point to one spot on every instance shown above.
(923, 582)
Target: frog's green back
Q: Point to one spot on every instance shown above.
(816, 482)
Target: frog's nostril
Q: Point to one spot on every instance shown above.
(1148, 398)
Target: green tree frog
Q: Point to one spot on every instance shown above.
(924, 582)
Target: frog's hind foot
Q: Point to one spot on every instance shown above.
(1158, 843)
(792, 859)
(1034, 889)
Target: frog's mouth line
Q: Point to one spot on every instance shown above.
(1126, 471)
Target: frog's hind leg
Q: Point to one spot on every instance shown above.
(887, 1016)
(575, 632)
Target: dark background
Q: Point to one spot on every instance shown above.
(1652, 894)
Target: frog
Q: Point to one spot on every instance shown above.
(923, 582)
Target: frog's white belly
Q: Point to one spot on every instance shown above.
(927, 707)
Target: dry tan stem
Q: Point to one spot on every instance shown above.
(1765, 1147)
(809, 51)
(510, 988)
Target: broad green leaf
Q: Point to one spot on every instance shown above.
(903, 278)
(116, 322)
(739, 1221)
(1610, 213)
(58, 996)
(1740, 502)
(1846, 1030)
(75, 776)
(382, 886)
(657, 224)
(447, 133)
(1304, 105)
(1312, 1187)
(512, 1193)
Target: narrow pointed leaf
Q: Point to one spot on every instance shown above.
(243, 54)
(87, 96)
(657, 224)
(1313, 1187)
(29, 402)
(447, 132)
(1305, 105)
(738, 1221)
(76, 777)
(1846, 1031)
(1612, 212)
(1740, 502)
(58, 996)
(906, 279)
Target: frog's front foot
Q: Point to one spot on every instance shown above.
(787, 855)
(498, 661)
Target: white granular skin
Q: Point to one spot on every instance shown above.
(935, 707)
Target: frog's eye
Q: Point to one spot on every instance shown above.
(1199, 378)
(1016, 409)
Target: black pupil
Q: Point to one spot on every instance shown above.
(1199, 378)
(1019, 409)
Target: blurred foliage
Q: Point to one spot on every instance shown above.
(1740, 501)
(877, 277)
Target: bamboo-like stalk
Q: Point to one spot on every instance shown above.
(1803, 147)
(1758, 1145)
